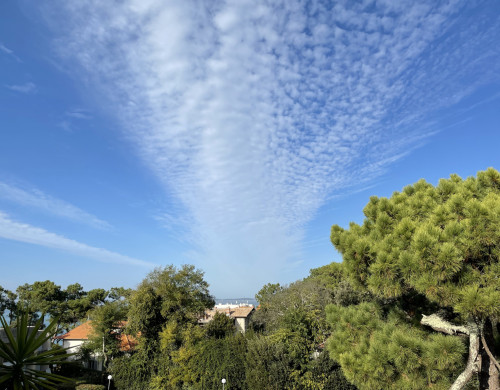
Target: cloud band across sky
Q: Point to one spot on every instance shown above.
(38, 200)
(252, 113)
(17, 231)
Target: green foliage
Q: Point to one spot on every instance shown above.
(308, 296)
(267, 364)
(168, 294)
(328, 276)
(220, 358)
(119, 293)
(69, 305)
(163, 308)
(90, 387)
(21, 353)
(8, 302)
(326, 374)
(134, 371)
(440, 241)
(423, 250)
(294, 322)
(221, 326)
(107, 324)
(202, 358)
(40, 297)
(378, 351)
(266, 293)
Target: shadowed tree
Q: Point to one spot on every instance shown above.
(8, 303)
(221, 326)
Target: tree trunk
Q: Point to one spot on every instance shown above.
(481, 360)
(474, 361)
(489, 378)
(105, 356)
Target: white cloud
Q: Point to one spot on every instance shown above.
(27, 88)
(78, 113)
(68, 122)
(253, 113)
(55, 207)
(12, 230)
(10, 52)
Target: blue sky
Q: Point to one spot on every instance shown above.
(230, 134)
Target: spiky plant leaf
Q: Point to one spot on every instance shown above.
(20, 353)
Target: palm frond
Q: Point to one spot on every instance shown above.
(21, 352)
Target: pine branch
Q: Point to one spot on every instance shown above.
(441, 325)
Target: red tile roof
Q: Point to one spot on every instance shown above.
(127, 342)
(83, 331)
(239, 312)
(236, 312)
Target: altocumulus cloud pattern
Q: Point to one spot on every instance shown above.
(253, 113)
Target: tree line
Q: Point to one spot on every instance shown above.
(69, 305)
(415, 304)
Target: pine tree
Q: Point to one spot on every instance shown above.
(438, 245)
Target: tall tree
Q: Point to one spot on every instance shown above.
(167, 301)
(440, 245)
(168, 294)
(74, 307)
(41, 297)
(108, 321)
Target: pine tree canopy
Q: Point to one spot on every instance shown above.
(431, 250)
(443, 242)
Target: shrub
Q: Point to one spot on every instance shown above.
(90, 387)
(66, 386)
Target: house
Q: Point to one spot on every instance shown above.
(239, 313)
(74, 339)
(46, 346)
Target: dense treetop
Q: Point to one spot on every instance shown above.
(428, 255)
(441, 241)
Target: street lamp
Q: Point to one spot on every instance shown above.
(109, 380)
(223, 383)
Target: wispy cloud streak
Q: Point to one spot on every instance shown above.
(253, 112)
(55, 207)
(10, 52)
(26, 88)
(17, 231)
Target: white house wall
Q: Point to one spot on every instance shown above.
(241, 324)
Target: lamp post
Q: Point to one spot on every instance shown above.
(109, 381)
(223, 383)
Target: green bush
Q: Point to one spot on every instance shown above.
(66, 386)
(90, 387)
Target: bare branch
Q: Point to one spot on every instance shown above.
(441, 325)
(492, 358)
(473, 362)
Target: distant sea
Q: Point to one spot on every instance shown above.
(236, 301)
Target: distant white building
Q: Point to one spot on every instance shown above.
(231, 305)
